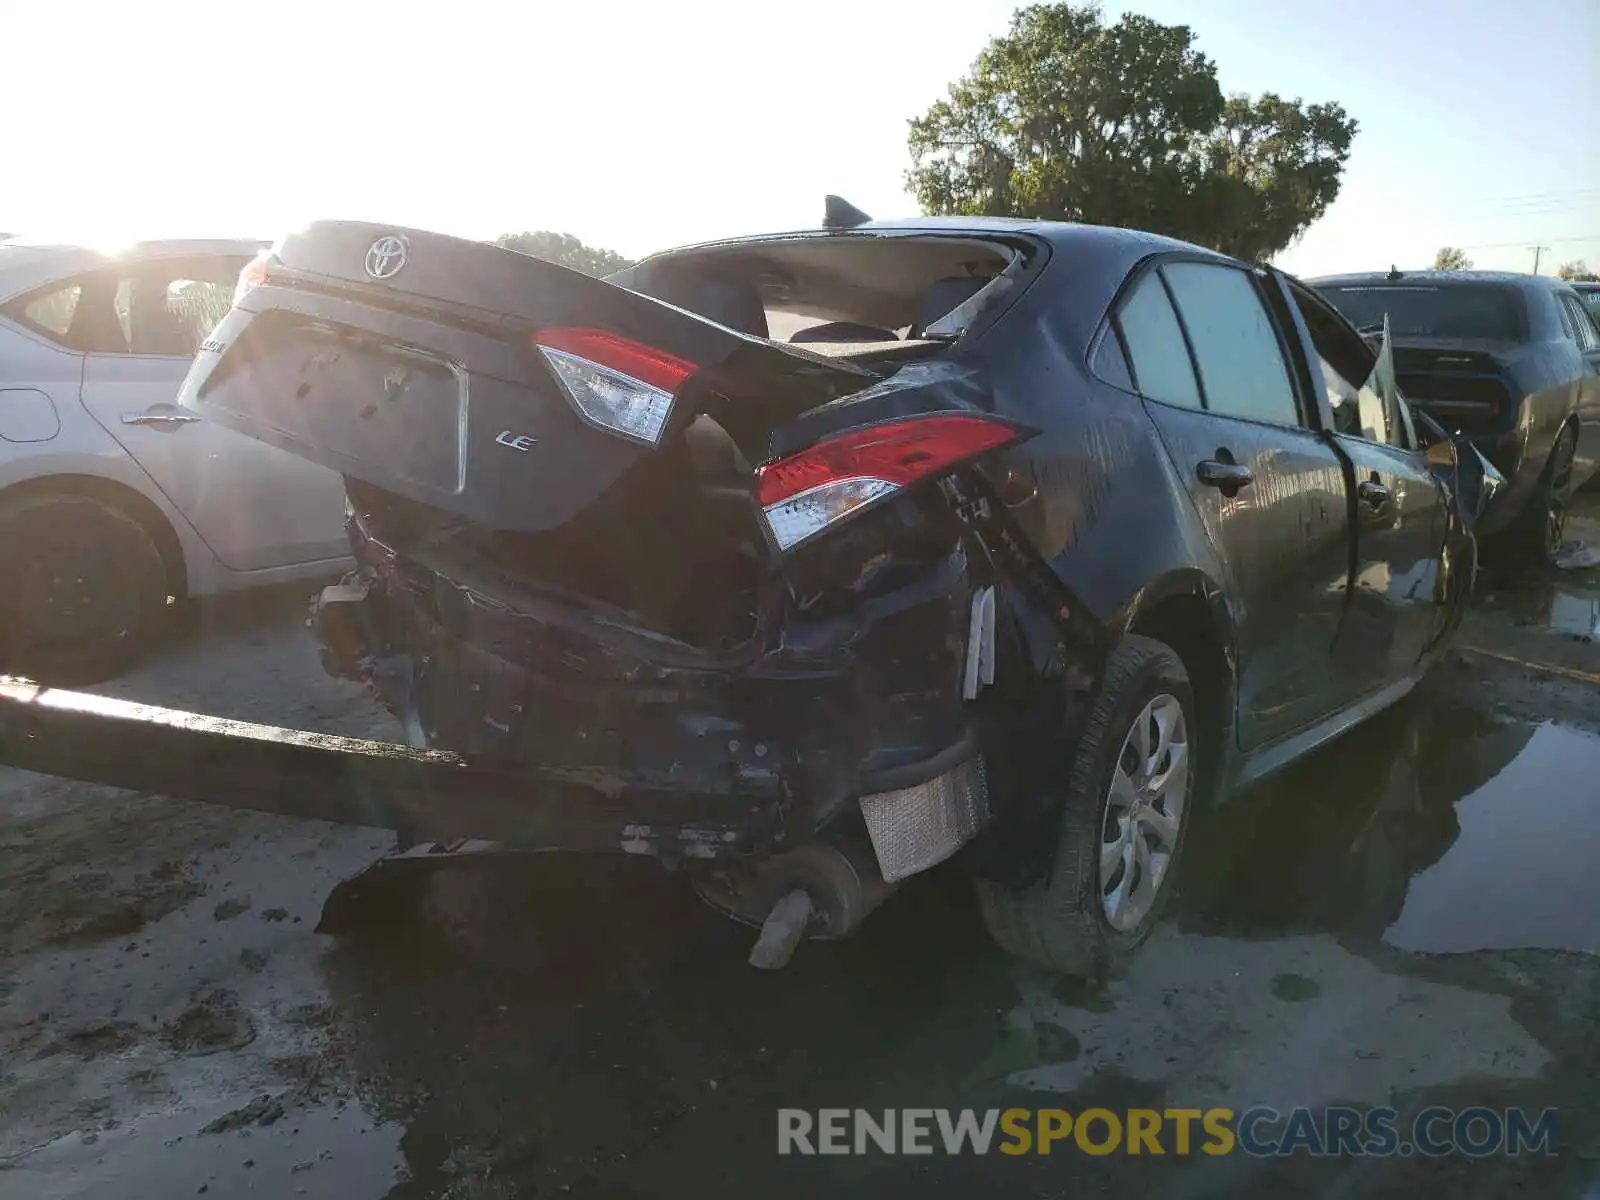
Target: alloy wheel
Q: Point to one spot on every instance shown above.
(1144, 813)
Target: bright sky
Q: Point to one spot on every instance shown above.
(639, 126)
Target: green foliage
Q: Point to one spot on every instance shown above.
(1451, 258)
(566, 250)
(1068, 118)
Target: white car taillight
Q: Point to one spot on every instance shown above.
(808, 491)
(253, 275)
(619, 384)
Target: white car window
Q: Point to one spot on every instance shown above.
(168, 308)
(52, 311)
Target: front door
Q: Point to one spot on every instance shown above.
(1398, 600)
(254, 505)
(1270, 490)
(1397, 596)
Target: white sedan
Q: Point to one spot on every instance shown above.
(115, 503)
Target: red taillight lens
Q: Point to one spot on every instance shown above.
(617, 383)
(253, 275)
(803, 494)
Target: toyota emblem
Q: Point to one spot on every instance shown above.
(386, 256)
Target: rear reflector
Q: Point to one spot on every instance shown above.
(618, 384)
(808, 491)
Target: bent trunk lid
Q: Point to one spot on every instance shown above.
(404, 359)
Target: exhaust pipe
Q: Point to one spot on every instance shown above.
(820, 890)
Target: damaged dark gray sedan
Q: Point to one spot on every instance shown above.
(1030, 542)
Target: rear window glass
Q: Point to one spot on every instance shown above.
(1456, 310)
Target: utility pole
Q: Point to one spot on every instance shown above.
(1537, 250)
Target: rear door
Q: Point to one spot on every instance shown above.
(255, 506)
(1209, 359)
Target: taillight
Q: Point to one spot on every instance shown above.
(253, 275)
(806, 492)
(619, 384)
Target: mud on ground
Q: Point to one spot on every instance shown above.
(1411, 916)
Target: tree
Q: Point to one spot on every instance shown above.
(1577, 272)
(566, 250)
(1069, 118)
(1451, 258)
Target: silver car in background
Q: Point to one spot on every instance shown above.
(115, 503)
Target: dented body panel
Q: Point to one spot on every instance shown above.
(516, 562)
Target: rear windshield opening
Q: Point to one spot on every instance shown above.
(1456, 310)
(838, 293)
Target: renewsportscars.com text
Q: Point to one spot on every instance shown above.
(1260, 1131)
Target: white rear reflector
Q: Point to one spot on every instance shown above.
(797, 518)
(617, 383)
(618, 402)
(804, 493)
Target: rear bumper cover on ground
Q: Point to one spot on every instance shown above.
(431, 795)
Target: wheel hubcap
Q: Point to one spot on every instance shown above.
(1144, 813)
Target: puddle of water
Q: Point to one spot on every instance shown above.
(1522, 871)
(320, 1153)
(1437, 830)
(1564, 608)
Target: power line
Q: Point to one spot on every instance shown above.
(1523, 242)
(1527, 197)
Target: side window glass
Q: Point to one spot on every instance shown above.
(1235, 344)
(168, 308)
(1566, 320)
(75, 315)
(199, 304)
(1156, 350)
(1358, 410)
(1109, 363)
(1343, 357)
(51, 312)
(1583, 327)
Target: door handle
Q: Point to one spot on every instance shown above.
(159, 420)
(1226, 475)
(1373, 494)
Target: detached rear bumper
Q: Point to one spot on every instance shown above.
(431, 795)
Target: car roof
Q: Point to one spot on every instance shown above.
(1105, 241)
(26, 264)
(1432, 278)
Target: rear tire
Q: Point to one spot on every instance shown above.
(1068, 922)
(83, 593)
(1533, 538)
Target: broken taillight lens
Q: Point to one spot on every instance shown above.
(619, 384)
(810, 490)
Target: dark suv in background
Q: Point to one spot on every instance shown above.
(1513, 361)
(1590, 294)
